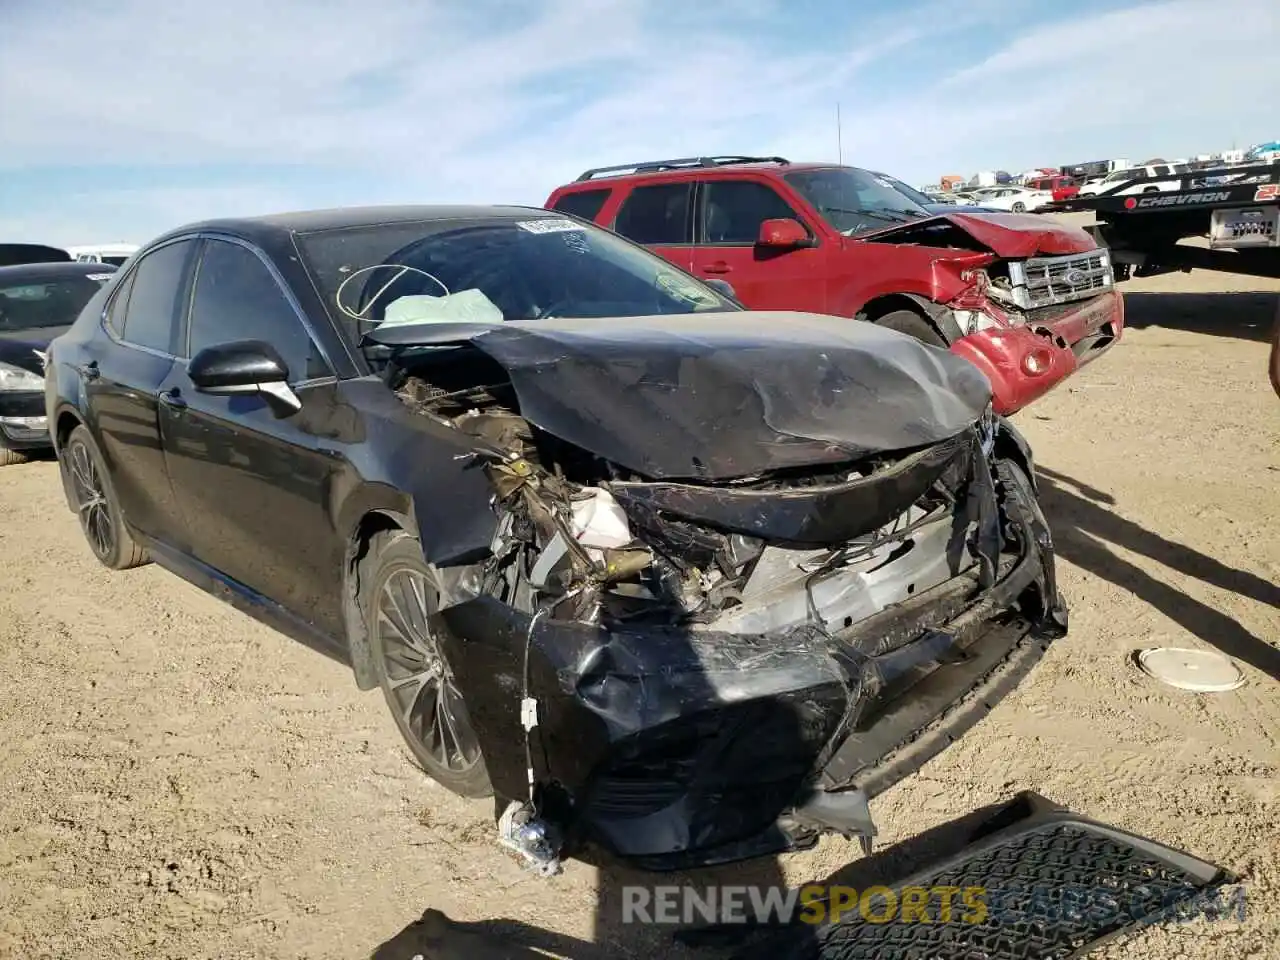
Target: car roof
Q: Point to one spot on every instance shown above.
(278, 225)
(38, 272)
(604, 177)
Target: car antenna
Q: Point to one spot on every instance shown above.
(839, 137)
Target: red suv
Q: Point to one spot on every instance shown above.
(1026, 299)
(1062, 187)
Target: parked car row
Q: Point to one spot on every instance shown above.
(680, 515)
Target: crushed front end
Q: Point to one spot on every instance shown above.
(687, 670)
(1029, 301)
(1040, 320)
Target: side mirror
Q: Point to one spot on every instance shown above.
(244, 367)
(783, 234)
(722, 287)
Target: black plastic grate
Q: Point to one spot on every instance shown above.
(1050, 893)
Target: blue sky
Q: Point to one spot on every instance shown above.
(120, 119)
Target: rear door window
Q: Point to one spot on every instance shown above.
(582, 203)
(658, 215)
(732, 211)
(158, 281)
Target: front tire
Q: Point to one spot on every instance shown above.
(95, 499)
(1019, 207)
(913, 325)
(399, 596)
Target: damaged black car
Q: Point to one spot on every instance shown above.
(668, 577)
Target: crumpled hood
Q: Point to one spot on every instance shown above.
(18, 347)
(723, 395)
(1018, 235)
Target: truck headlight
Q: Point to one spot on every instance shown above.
(15, 378)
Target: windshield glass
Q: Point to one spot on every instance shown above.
(908, 191)
(493, 270)
(46, 303)
(855, 201)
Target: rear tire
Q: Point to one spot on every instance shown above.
(1019, 207)
(10, 458)
(913, 325)
(398, 597)
(101, 519)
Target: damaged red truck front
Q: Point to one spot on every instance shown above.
(748, 570)
(1026, 299)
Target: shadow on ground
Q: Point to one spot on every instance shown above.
(1250, 315)
(1085, 530)
(435, 937)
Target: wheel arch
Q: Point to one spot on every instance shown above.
(66, 420)
(363, 533)
(934, 314)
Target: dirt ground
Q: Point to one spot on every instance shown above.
(177, 781)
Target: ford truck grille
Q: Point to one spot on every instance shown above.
(1043, 281)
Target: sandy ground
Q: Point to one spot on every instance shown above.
(179, 781)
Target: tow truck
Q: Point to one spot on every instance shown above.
(1237, 208)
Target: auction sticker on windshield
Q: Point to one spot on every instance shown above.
(549, 225)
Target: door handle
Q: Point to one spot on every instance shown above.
(173, 399)
(718, 267)
(89, 370)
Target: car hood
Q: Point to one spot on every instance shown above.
(942, 209)
(1017, 235)
(721, 396)
(18, 347)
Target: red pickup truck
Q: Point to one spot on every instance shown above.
(1025, 298)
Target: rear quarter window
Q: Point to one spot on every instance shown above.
(586, 204)
(658, 214)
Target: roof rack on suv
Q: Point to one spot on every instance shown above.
(653, 166)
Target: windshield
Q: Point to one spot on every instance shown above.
(910, 192)
(493, 270)
(46, 303)
(855, 201)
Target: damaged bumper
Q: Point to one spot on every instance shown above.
(1027, 360)
(22, 421)
(678, 746)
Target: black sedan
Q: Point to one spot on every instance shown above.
(670, 577)
(38, 301)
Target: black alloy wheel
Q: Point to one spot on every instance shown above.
(95, 502)
(91, 500)
(416, 679)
